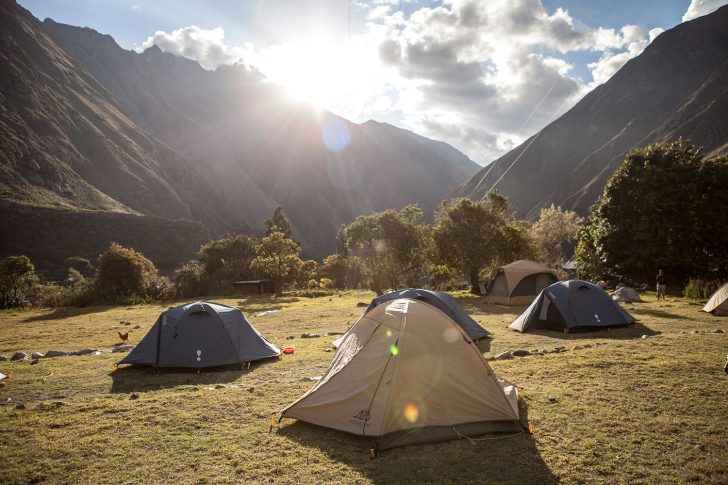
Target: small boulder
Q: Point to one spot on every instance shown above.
(361, 304)
(3, 358)
(577, 347)
(19, 356)
(310, 335)
(520, 353)
(194, 389)
(328, 350)
(588, 346)
(34, 361)
(534, 351)
(84, 352)
(122, 348)
(290, 337)
(137, 327)
(504, 355)
(134, 396)
(37, 355)
(20, 406)
(552, 399)
(220, 386)
(718, 330)
(699, 447)
(56, 353)
(645, 336)
(310, 379)
(250, 389)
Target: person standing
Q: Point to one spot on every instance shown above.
(661, 286)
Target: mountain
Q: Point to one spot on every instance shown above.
(677, 87)
(90, 128)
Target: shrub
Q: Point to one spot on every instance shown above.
(123, 271)
(17, 276)
(700, 289)
(189, 280)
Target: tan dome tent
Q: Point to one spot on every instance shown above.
(518, 283)
(406, 373)
(626, 294)
(718, 303)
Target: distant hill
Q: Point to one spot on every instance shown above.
(678, 87)
(90, 127)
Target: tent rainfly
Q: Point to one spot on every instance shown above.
(406, 373)
(518, 283)
(198, 335)
(626, 294)
(572, 304)
(442, 301)
(718, 303)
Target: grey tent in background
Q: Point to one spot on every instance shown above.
(518, 283)
(718, 303)
(201, 334)
(442, 301)
(572, 304)
(406, 373)
(626, 294)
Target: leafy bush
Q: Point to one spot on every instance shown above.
(189, 280)
(123, 271)
(17, 276)
(700, 289)
(312, 292)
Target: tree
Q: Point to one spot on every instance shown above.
(555, 234)
(344, 271)
(17, 273)
(124, 271)
(469, 236)
(278, 258)
(226, 260)
(279, 222)
(189, 280)
(664, 207)
(78, 263)
(390, 245)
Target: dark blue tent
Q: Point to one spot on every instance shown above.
(443, 302)
(200, 335)
(572, 304)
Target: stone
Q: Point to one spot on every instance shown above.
(718, 330)
(559, 348)
(362, 304)
(220, 386)
(310, 379)
(137, 327)
(543, 351)
(133, 396)
(34, 361)
(2, 383)
(699, 447)
(3, 358)
(696, 331)
(310, 335)
(504, 355)
(534, 351)
(20, 406)
(645, 336)
(588, 346)
(328, 350)
(552, 399)
(520, 353)
(84, 352)
(56, 353)
(577, 347)
(290, 337)
(19, 356)
(194, 388)
(37, 355)
(250, 389)
(122, 348)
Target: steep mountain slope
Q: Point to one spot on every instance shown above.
(678, 87)
(260, 148)
(88, 126)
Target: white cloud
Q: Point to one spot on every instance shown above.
(136, 7)
(205, 46)
(482, 75)
(698, 8)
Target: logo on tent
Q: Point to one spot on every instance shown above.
(199, 354)
(363, 415)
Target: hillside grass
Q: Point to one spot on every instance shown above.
(627, 410)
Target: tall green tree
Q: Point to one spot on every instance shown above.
(277, 258)
(472, 235)
(279, 222)
(17, 274)
(664, 207)
(390, 245)
(226, 260)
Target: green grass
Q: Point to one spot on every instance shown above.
(628, 410)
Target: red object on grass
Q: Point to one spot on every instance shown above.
(289, 349)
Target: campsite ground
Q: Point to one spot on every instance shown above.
(629, 410)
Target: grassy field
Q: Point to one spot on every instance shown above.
(627, 410)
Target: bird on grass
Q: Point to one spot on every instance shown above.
(123, 336)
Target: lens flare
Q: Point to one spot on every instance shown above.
(335, 135)
(393, 349)
(389, 333)
(411, 412)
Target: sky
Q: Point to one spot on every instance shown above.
(482, 75)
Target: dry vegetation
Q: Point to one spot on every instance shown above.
(631, 410)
